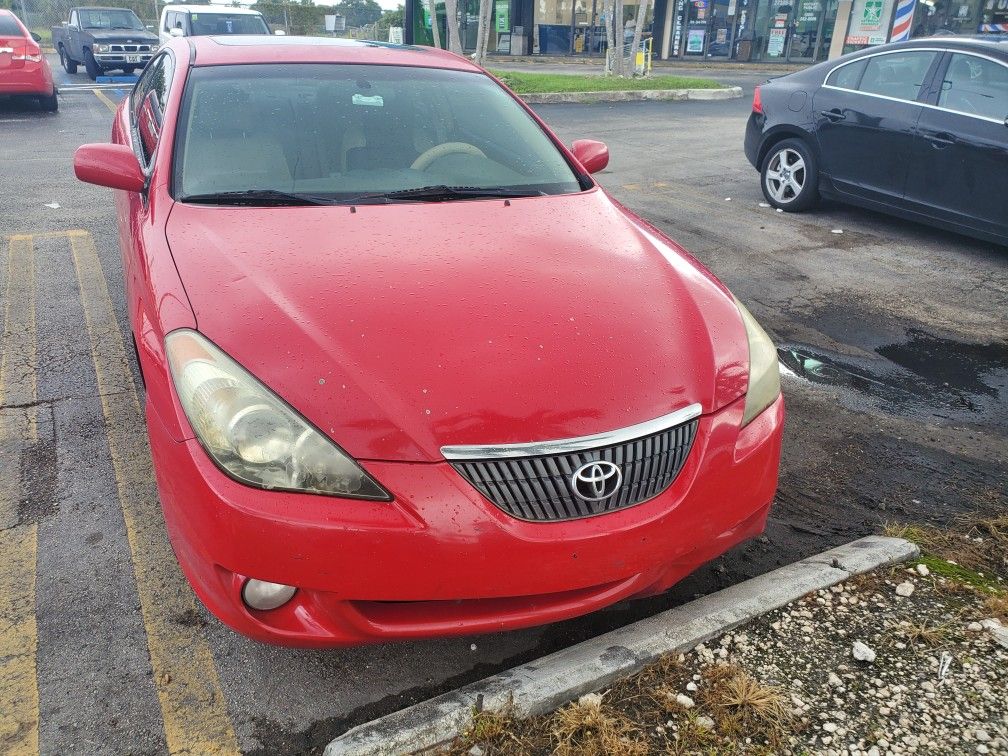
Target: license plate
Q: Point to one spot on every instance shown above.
(133, 59)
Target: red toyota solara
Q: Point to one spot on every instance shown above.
(409, 370)
(24, 71)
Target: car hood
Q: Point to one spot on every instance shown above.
(125, 36)
(399, 329)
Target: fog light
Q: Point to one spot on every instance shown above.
(262, 595)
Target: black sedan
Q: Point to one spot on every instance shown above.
(918, 129)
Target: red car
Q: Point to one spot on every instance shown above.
(23, 68)
(409, 370)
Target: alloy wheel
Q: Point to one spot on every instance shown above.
(785, 175)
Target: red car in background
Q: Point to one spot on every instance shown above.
(23, 68)
(409, 370)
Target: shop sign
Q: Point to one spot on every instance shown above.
(871, 17)
(677, 27)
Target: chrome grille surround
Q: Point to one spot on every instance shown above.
(534, 481)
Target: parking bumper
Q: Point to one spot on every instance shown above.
(442, 560)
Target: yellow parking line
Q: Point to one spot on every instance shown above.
(192, 704)
(19, 700)
(108, 103)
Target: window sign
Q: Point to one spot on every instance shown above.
(503, 16)
(775, 45)
(694, 40)
(869, 24)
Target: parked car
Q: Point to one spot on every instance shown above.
(24, 71)
(917, 129)
(103, 39)
(202, 20)
(409, 370)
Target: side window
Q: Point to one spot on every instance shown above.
(898, 75)
(73, 18)
(849, 76)
(148, 101)
(168, 21)
(977, 86)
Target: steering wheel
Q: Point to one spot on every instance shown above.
(440, 150)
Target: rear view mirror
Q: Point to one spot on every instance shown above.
(593, 155)
(176, 32)
(111, 165)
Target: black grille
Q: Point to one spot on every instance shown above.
(540, 488)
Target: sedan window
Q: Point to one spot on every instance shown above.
(374, 133)
(9, 27)
(227, 23)
(977, 86)
(849, 76)
(897, 75)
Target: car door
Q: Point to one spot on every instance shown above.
(866, 112)
(959, 172)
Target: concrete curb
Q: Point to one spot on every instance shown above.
(632, 95)
(552, 681)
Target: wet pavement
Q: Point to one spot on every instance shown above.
(893, 337)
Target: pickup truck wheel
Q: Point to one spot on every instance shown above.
(68, 65)
(50, 103)
(93, 69)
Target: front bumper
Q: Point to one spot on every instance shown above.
(118, 60)
(440, 559)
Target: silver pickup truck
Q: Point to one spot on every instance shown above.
(103, 39)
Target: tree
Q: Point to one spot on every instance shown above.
(435, 27)
(394, 17)
(358, 12)
(638, 28)
(483, 32)
(451, 20)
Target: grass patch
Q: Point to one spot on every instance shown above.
(978, 546)
(535, 83)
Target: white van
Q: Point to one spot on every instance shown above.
(202, 20)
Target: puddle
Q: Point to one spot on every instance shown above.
(924, 372)
(972, 368)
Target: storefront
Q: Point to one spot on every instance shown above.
(763, 31)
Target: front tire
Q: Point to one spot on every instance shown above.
(68, 65)
(91, 65)
(790, 176)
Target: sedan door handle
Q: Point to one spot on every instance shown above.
(941, 140)
(834, 115)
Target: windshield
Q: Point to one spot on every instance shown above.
(341, 131)
(109, 19)
(227, 23)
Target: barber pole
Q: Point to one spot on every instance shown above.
(903, 20)
(994, 28)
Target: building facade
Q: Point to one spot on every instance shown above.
(763, 31)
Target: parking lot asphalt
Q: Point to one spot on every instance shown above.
(896, 371)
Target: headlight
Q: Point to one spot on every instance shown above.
(103, 48)
(764, 370)
(251, 433)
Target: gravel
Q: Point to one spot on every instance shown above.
(895, 662)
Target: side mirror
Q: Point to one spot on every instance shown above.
(594, 156)
(36, 37)
(176, 32)
(279, 32)
(111, 165)
(150, 27)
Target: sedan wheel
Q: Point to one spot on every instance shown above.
(790, 176)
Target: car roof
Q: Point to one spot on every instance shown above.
(240, 49)
(212, 9)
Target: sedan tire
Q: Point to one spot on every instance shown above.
(790, 176)
(49, 103)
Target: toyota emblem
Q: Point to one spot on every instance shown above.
(595, 481)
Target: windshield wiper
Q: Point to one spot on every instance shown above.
(260, 197)
(443, 193)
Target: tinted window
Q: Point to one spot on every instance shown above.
(898, 75)
(344, 130)
(156, 78)
(226, 23)
(849, 76)
(9, 27)
(975, 85)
